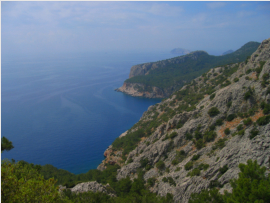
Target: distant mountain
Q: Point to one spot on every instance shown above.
(227, 52)
(180, 51)
(160, 79)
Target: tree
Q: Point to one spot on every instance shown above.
(251, 186)
(6, 144)
(21, 182)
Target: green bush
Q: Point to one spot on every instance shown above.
(248, 71)
(263, 120)
(209, 136)
(213, 111)
(229, 104)
(175, 162)
(195, 157)
(247, 122)
(241, 132)
(231, 117)
(189, 165)
(199, 144)
(212, 96)
(219, 144)
(165, 180)
(227, 131)
(173, 135)
(171, 181)
(151, 181)
(188, 136)
(194, 172)
(160, 165)
(219, 122)
(223, 169)
(236, 79)
(248, 94)
(240, 127)
(253, 133)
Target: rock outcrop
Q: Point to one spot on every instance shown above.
(94, 187)
(198, 146)
(138, 90)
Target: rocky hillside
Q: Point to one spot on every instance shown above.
(196, 138)
(160, 79)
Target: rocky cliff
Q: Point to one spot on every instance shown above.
(196, 138)
(142, 90)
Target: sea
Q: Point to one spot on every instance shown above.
(63, 109)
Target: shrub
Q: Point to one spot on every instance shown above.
(188, 136)
(173, 135)
(248, 94)
(248, 121)
(213, 111)
(144, 162)
(240, 127)
(209, 136)
(199, 144)
(212, 96)
(151, 181)
(160, 165)
(236, 79)
(177, 169)
(223, 169)
(189, 165)
(248, 71)
(175, 162)
(265, 76)
(195, 157)
(197, 134)
(253, 133)
(266, 109)
(165, 180)
(231, 117)
(229, 104)
(263, 120)
(129, 161)
(227, 131)
(219, 122)
(241, 132)
(247, 78)
(171, 181)
(194, 172)
(203, 166)
(219, 144)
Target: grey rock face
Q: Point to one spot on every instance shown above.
(93, 186)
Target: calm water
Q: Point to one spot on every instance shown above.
(63, 110)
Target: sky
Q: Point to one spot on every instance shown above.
(80, 27)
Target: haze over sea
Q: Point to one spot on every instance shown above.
(63, 110)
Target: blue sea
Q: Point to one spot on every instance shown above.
(63, 110)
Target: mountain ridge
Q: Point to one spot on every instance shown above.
(196, 138)
(160, 79)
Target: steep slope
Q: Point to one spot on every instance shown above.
(196, 138)
(160, 79)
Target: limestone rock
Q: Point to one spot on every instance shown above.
(94, 187)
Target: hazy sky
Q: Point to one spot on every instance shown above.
(59, 27)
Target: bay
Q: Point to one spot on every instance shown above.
(63, 110)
